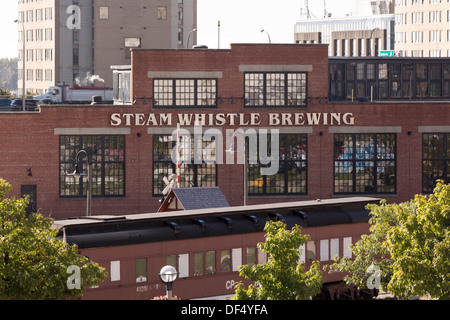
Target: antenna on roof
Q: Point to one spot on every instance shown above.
(305, 13)
(326, 14)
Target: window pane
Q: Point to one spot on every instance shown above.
(114, 179)
(206, 92)
(107, 154)
(172, 261)
(141, 270)
(310, 251)
(343, 167)
(115, 270)
(185, 92)
(198, 264)
(254, 89)
(382, 71)
(365, 163)
(396, 72)
(225, 261)
(296, 89)
(436, 160)
(292, 173)
(183, 265)
(195, 171)
(324, 250)
(251, 256)
(370, 71)
(163, 92)
(361, 71)
(236, 257)
(210, 262)
(275, 89)
(433, 146)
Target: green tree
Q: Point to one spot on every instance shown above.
(409, 244)
(4, 91)
(283, 276)
(34, 262)
(8, 73)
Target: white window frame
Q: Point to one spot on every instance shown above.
(115, 270)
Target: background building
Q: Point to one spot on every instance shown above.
(71, 40)
(349, 36)
(360, 34)
(422, 28)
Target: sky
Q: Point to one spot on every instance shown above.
(241, 21)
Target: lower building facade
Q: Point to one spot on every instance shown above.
(189, 107)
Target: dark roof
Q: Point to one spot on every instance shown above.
(198, 198)
(104, 231)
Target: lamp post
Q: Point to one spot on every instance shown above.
(268, 35)
(23, 64)
(168, 275)
(374, 53)
(79, 173)
(189, 36)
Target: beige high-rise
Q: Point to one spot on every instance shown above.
(422, 28)
(68, 40)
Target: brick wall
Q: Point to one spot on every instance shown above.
(29, 140)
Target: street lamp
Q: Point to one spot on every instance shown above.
(268, 35)
(374, 53)
(168, 275)
(23, 64)
(189, 36)
(77, 173)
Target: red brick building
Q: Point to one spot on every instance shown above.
(332, 141)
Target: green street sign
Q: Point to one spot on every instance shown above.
(386, 53)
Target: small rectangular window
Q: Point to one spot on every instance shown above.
(302, 253)
(185, 92)
(275, 89)
(172, 261)
(133, 42)
(310, 251)
(162, 13)
(435, 160)
(210, 262)
(334, 248)
(141, 270)
(104, 13)
(251, 256)
(198, 264)
(115, 270)
(225, 261)
(183, 265)
(262, 256)
(236, 258)
(324, 250)
(346, 247)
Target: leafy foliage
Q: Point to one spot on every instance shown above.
(283, 276)
(8, 74)
(410, 243)
(33, 260)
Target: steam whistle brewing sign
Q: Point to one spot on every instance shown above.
(231, 119)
